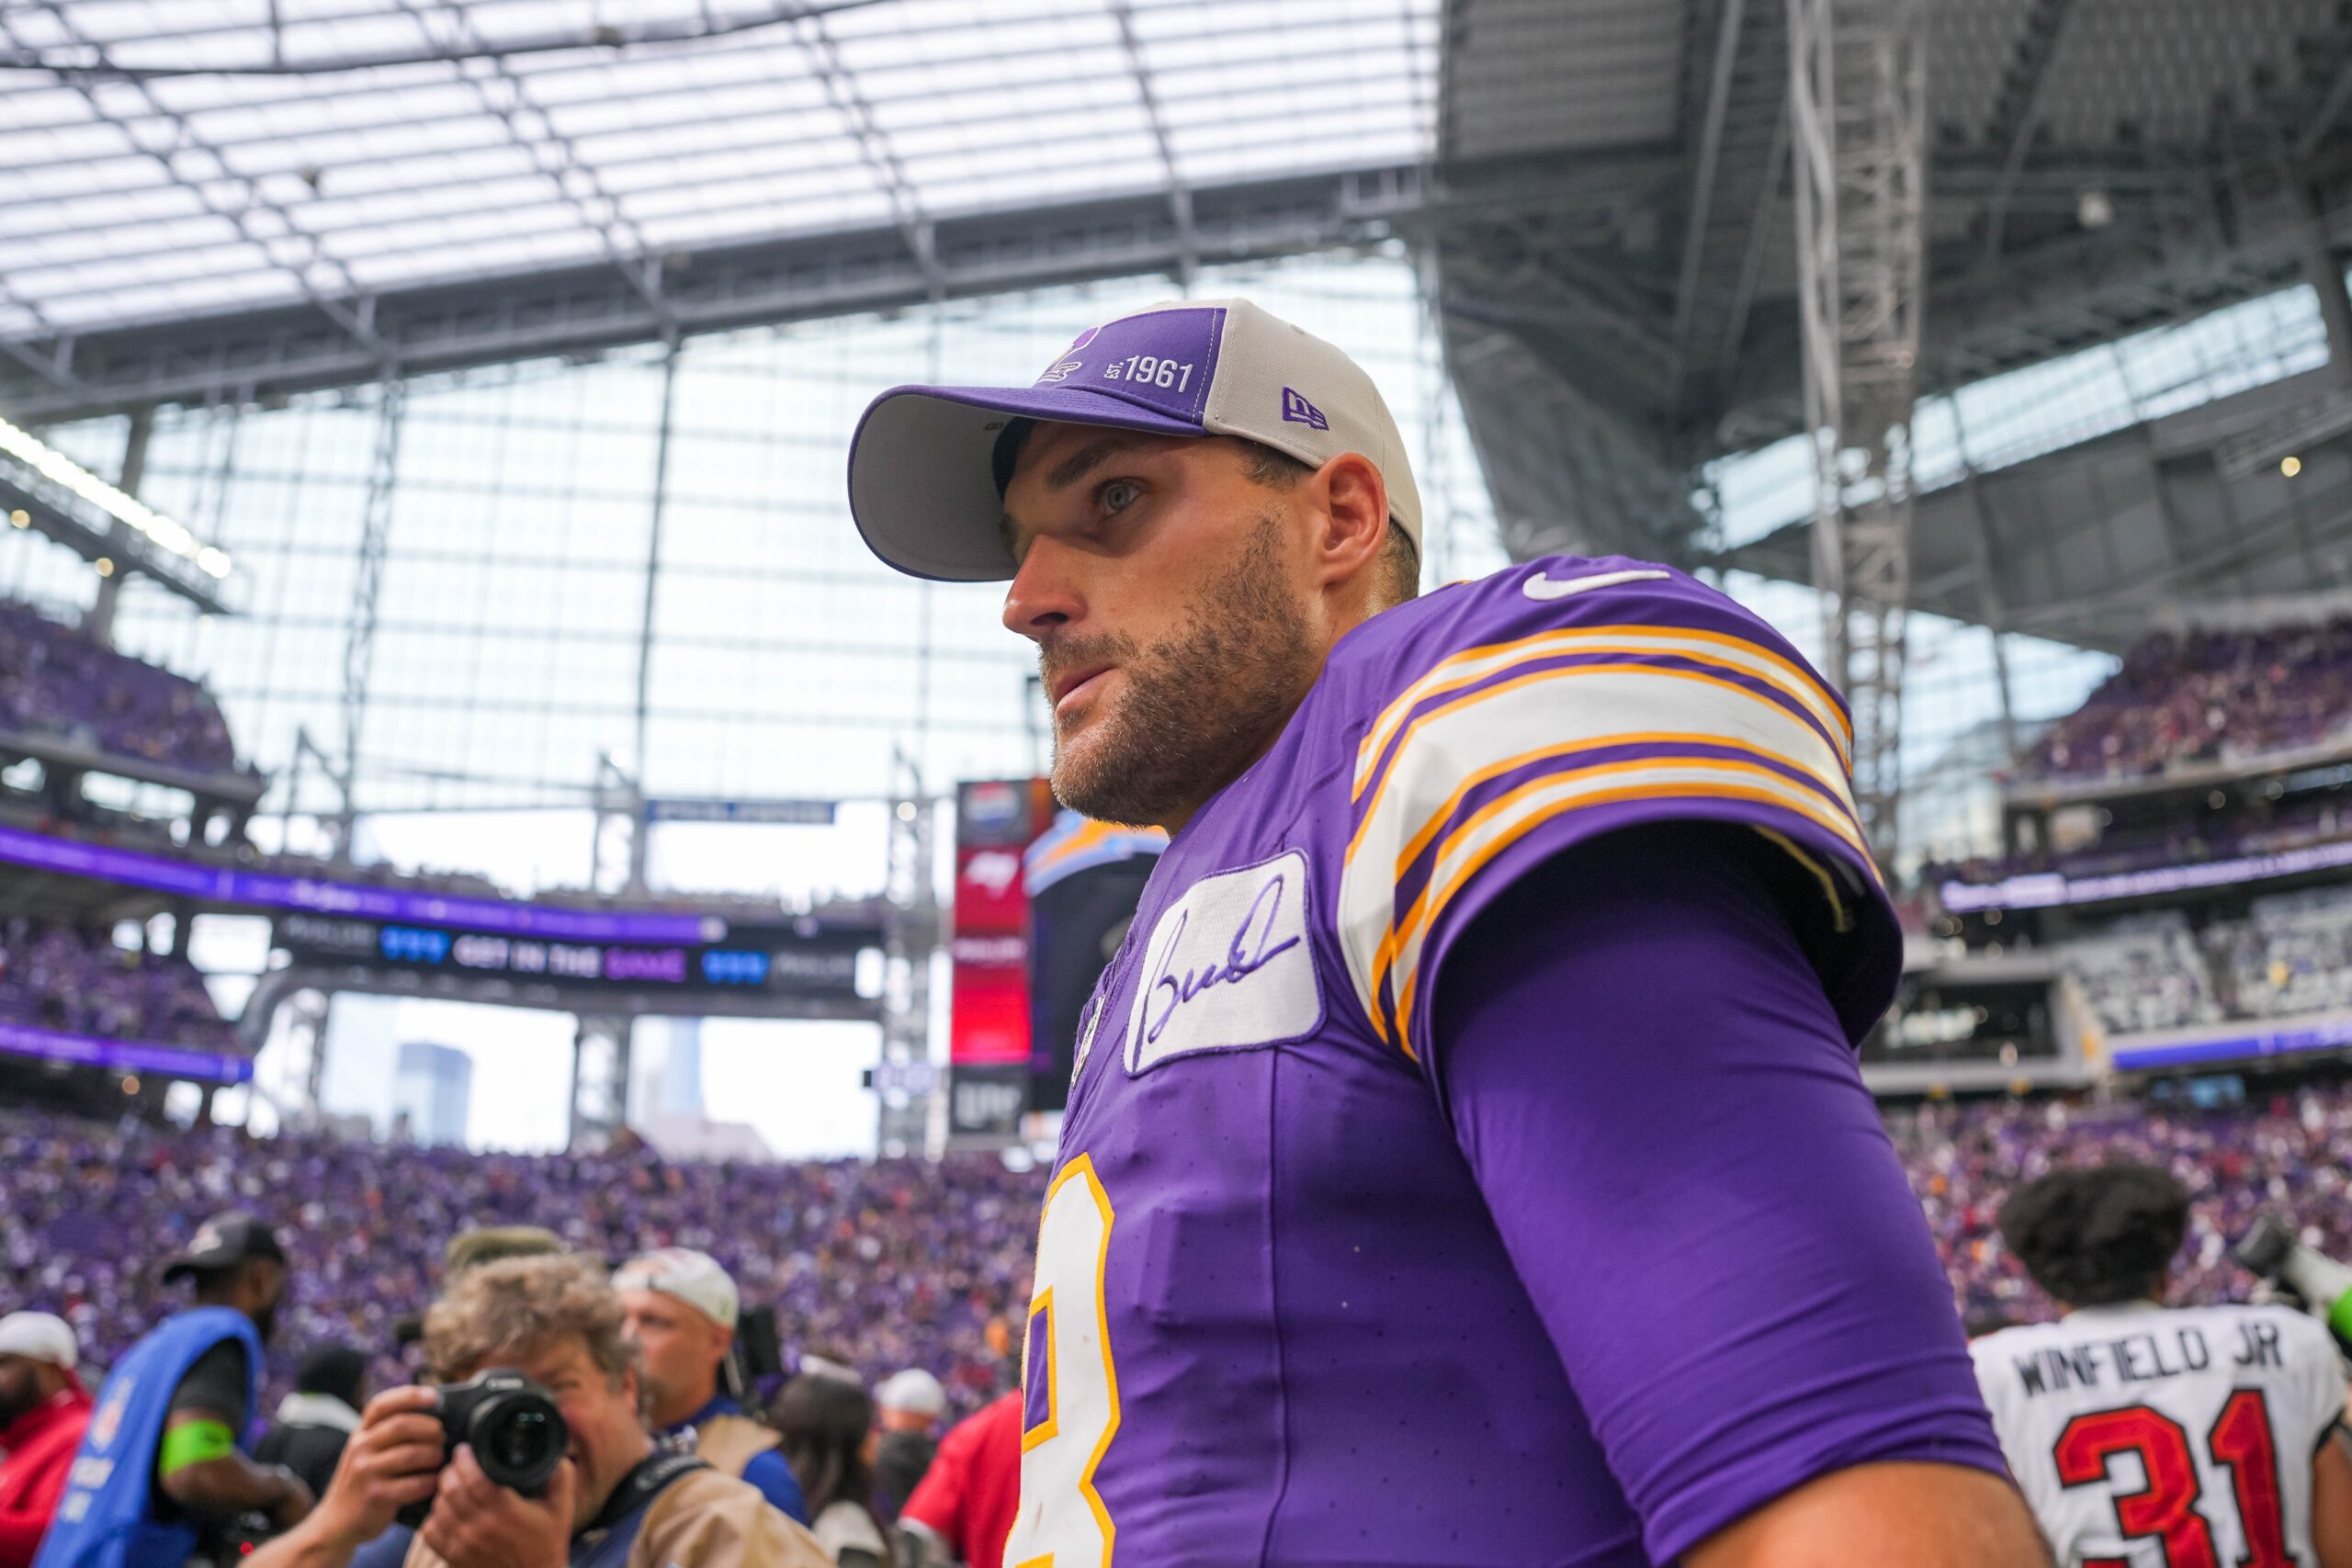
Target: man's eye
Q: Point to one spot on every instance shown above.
(1119, 494)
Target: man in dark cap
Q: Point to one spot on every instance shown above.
(161, 1463)
(314, 1420)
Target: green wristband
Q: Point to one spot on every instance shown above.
(2339, 1317)
(194, 1443)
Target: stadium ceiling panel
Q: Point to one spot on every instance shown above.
(223, 160)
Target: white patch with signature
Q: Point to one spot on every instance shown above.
(1228, 967)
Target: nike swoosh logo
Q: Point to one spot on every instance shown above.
(1561, 586)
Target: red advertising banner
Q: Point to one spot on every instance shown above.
(989, 1012)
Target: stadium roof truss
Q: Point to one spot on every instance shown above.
(240, 199)
(227, 198)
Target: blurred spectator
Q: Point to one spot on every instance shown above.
(312, 1421)
(910, 1400)
(900, 1461)
(52, 976)
(43, 1411)
(827, 1427)
(56, 680)
(969, 1498)
(907, 1411)
(163, 1463)
(2206, 695)
(681, 1311)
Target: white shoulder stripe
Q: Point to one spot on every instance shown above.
(1464, 669)
(1559, 711)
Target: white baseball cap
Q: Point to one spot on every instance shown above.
(926, 477)
(913, 1391)
(39, 1336)
(694, 1278)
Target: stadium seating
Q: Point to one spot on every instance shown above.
(2293, 956)
(2143, 974)
(2206, 695)
(55, 681)
(52, 976)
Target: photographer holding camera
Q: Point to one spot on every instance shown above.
(533, 1452)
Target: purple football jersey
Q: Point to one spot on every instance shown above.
(1275, 1320)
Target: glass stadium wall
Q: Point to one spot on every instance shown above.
(781, 660)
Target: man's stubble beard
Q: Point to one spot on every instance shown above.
(1197, 708)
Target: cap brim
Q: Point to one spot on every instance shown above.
(922, 484)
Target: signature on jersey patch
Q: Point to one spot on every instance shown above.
(1228, 967)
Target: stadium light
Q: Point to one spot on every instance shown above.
(2290, 466)
(123, 507)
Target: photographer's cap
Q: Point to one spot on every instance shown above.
(223, 1242)
(924, 480)
(913, 1391)
(694, 1278)
(39, 1336)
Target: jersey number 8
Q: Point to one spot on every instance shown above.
(1071, 1390)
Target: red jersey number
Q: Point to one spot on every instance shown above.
(2165, 1508)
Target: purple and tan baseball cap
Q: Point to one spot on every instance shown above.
(925, 480)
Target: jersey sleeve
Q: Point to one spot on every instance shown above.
(1559, 701)
(1695, 1188)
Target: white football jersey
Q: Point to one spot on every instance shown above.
(2149, 1436)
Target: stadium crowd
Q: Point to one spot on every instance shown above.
(56, 680)
(891, 1266)
(2203, 694)
(885, 1267)
(2289, 1153)
(55, 977)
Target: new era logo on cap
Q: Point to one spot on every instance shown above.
(1298, 411)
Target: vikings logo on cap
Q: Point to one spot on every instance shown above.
(1060, 370)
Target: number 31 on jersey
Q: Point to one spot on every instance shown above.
(1070, 1409)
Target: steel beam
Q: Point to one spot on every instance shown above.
(1703, 179)
(2019, 108)
(336, 308)
(272, 352)
(360, 641)
(856, 111)
(624, 242)
(1857, 119)
(1180, 193)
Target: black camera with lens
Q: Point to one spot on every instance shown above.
(517, 1434)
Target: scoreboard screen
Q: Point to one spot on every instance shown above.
(817, 963)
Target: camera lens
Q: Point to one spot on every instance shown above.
(519, 1438)
(521, 1441)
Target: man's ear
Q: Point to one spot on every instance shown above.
(1352, 504)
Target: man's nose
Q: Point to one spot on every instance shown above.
(1042, 594)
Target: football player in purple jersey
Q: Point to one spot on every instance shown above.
(1466, 1160)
